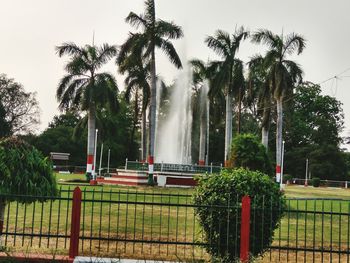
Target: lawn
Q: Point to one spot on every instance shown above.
(153, 222)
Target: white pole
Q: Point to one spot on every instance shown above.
(306, 171)
(109, 157)
(282, 163)
(100, 166)
(94, 170)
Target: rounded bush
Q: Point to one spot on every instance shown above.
(315, 182)
(248, 152)
(218, 200)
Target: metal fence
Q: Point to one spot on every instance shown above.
(163, 226)
(170, 167)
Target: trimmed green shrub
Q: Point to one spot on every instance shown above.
(248, 152)
(315, 182)
(218, 197)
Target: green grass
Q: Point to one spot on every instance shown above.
(122, 219)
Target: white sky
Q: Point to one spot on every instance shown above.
(30, 29)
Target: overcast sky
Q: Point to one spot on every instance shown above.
(30, 30)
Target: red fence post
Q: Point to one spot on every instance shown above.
(245, 227)
(75, 224)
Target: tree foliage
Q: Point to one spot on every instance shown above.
(24, 171)
(19, 110)
(249, 153)
(215, 193)
(313, 132)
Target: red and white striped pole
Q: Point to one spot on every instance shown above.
(201, 162)
(93, 172)
(278, 173)
(150, 170)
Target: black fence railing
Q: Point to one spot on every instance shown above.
(163, 226)
(170, 167)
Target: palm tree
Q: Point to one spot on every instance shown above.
(259, 91)
(283, 74)
(155, 33)
(226, 78)
(202, 75)
(138, 79)
(83, 87)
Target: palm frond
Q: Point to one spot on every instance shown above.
(70, 48)
(169, 50)
(295, 71)
(105, 53)
(77, 66)
(136, 20)
(266, 37)
(294, 42)
(64, 82)
(134, 44)
(168, 30)
(220, 43)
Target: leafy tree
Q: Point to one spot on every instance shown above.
(67, 119)
(5, 126)
(283, 74)
(315, 119)
(19, 109)
(85, 89)
(313, 132)
(60, 139)
(23, 171)
(229, 74)
(327, 162)
(214, 194)
(249, 153)
(155, 33)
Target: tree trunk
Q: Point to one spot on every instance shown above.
(265, 137)
(279, 138)
(228, 129)
(135, 122)
(152, 120)
(143, 137)
(239, 111)
(2, 217)
(208, 116)
(91, 140)
(202, 131)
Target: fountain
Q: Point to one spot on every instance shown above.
(173, 138)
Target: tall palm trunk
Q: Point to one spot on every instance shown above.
(208, 116)
(279, 138)
(2, 217)
(152, 119)
(265, 137)
(239, 111)
(143, 137)
(135, 122)
(228, 129)
(202, 131)
(91, 139)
